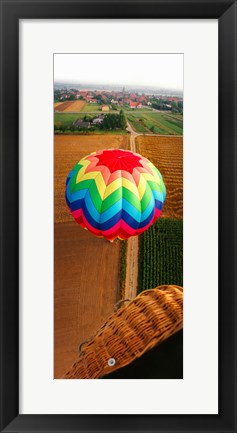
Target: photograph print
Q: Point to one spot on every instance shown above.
(118, 216)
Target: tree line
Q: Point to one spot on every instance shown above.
(162, 104)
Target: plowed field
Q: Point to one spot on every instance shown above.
(86, 272)
(75, 107)
(86, 268)
(166, 153)
(63, 105)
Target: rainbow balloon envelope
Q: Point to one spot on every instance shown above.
(115, 193)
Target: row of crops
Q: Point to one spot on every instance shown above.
(137, 124)
(161, 254)
(157, 123)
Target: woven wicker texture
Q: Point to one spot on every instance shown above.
(150, 318)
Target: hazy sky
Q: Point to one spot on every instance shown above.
(158, 70)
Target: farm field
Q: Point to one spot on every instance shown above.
(91, 107)
(137, 124)
(84, 291)
(63, 106)
(56, 104)
(166, 153)
(157, 123)
(76, 106)
(161, 254)
(65, 120)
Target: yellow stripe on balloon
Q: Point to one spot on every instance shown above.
(131, 186)
(113, 186)
(100, 184)
(98, 179)
(154, 178)
(141, 186)
(81, 172)
(156, 175)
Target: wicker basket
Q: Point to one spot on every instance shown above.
(150, 318)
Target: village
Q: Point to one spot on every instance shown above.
(92, 111)
(117, 99)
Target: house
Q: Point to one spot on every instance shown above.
(135, 105)
(105, 108)
(65, 96)
(97, 120)
(142, 98)
(173, 99)
(83, 93)
(81, 124)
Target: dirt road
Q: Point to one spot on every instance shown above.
(132, 244)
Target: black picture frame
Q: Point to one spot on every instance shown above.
(11, 11)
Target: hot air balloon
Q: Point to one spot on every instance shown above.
(115, 193)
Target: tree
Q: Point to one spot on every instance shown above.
(87, 118)
(123, 121)
(180, 106)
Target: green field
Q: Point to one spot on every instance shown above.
(91, 107)
(66, 119)
(161, 254)
(122, 268)
(157, 123)
(137, 124)
(143, 122)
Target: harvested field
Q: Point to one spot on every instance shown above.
(56, 104)
(76, 106)
(63, 106)
(86, 272)
(166, 153)
(86, 268)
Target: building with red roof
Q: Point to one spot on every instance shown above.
(135, 104)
